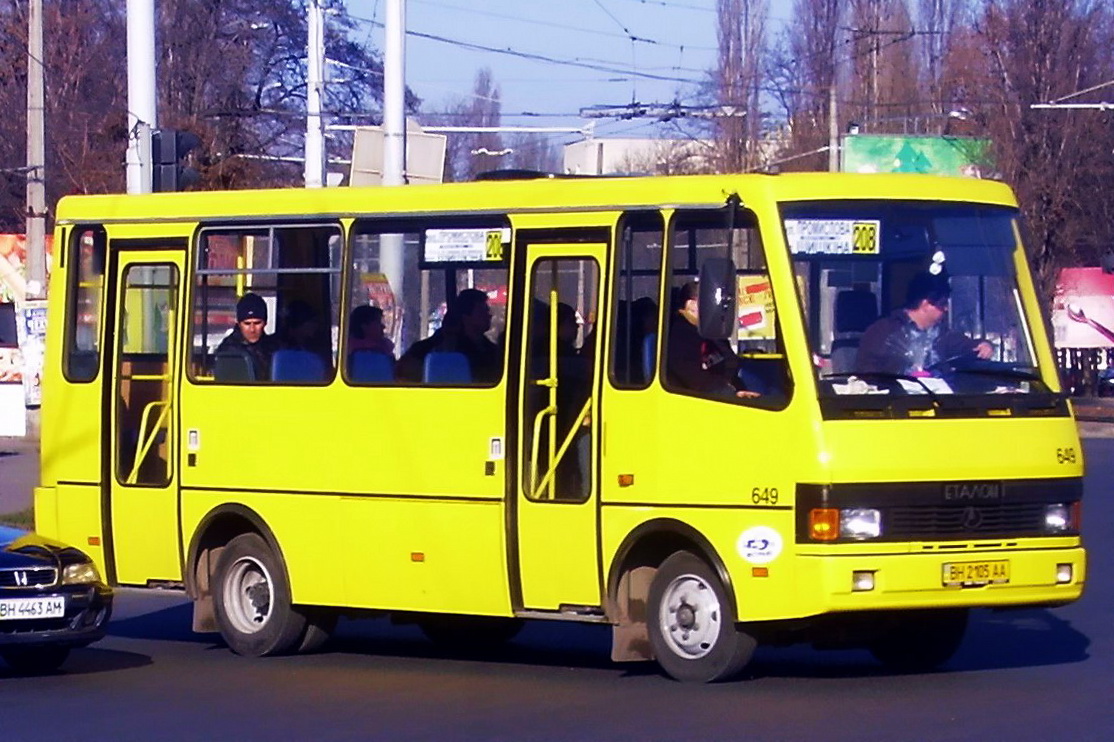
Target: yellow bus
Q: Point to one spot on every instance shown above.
(709, 411)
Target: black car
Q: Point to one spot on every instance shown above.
(51, 600)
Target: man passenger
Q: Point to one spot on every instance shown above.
(463, 331)
(249, 338)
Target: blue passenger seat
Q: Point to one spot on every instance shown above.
(649, 353)
(371, 367)
(443, 367)
(296, 365)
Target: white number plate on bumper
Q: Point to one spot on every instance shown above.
(22, 609)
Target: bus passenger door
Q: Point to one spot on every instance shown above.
(558, 427)
(142, 480)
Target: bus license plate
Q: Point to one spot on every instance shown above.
(971, 574)
(23, 609)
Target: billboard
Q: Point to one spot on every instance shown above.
(882, 153)
(1083, 309)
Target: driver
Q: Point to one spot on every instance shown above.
(912, 339)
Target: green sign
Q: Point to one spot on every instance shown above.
(956, 156)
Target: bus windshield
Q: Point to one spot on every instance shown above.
(912, 299)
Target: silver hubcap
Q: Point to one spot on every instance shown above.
(247, 595)
(689, 616)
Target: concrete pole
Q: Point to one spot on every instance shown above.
(36, 157)
(394, 94)
(394, 168)
(315, 64)
(142, 98)
(833, 131)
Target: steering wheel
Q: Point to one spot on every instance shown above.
(954, 362)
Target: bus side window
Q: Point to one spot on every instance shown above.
(88, 248)
(427, 302)
(635, 313)
(287, 277)
(749, 367)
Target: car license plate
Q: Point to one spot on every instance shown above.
(23, 609)
(972, 574)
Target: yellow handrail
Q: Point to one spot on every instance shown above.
(547, 479)
(147, 440)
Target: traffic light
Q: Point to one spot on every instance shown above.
(169, 148)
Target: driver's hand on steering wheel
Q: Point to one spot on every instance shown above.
(984, 350)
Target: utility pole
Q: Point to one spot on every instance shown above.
(142, 98)
(315, 136)
(394, 170)
(36, 157)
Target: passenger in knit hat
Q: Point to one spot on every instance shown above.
(249, 337)
(251, 306)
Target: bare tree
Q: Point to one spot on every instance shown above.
(938, 21)
(85, 101)
(1058, 161)
(883, 67)
(737, 81)
(804, 69)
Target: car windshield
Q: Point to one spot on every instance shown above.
(912, 298)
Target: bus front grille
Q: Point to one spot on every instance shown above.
(932, 522)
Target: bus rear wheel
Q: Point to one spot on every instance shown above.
(918, 641)
(692, 624)
(253, 606)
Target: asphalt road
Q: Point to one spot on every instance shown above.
(1027, 675)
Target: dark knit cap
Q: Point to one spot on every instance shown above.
(251, 306)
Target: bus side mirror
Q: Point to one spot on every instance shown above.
(717, 298)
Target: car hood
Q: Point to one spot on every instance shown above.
(22, 549)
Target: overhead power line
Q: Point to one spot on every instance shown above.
(598, 67)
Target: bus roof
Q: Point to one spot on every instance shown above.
(509, 196)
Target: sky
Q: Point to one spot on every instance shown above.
(560, 56)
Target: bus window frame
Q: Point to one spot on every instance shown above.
(417, 225)
(619, 236)
(196, 272)
(753, 223)
(73, 278)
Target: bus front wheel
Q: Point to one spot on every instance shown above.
(692, 624)
(253, 605)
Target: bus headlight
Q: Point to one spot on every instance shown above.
(860, 523)
(1061, 518)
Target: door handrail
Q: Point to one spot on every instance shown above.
(147, 440)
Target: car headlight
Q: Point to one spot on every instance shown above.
(80, 574)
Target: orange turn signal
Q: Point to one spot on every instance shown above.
(823, 524)
(626, 480)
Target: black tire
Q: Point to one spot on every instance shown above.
(692, 623)
(254, 612)
(35, 660)
(918, 641)
(470, 634)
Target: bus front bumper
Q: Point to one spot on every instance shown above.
(941, 579)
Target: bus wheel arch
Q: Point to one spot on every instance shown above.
(216, 530)
(633, 571)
